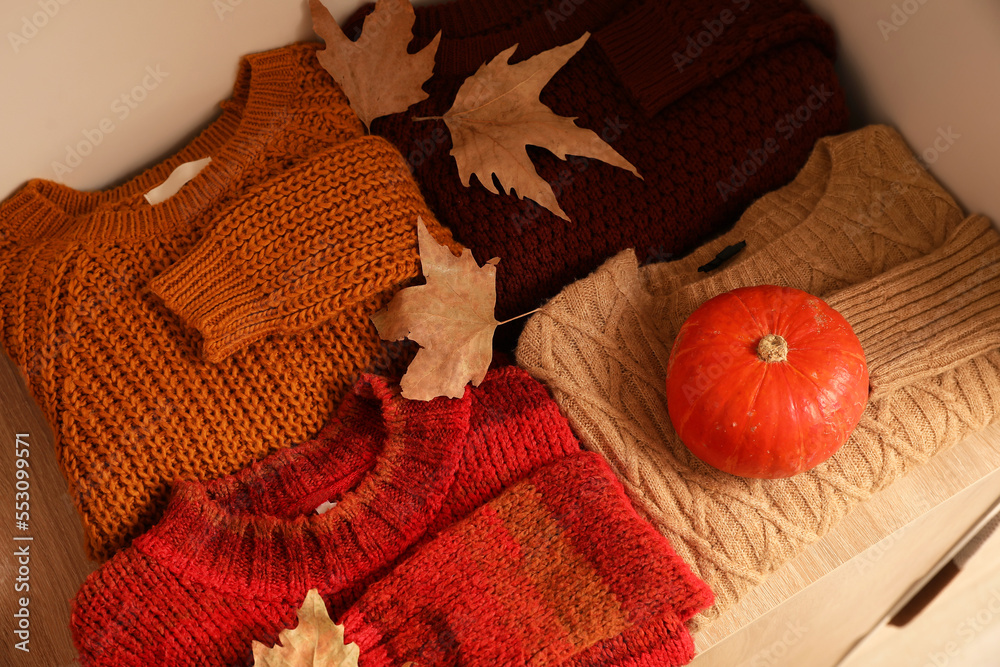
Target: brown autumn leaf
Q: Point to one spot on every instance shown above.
(315, 642)
(497, 112)
(376, 73)
(451, 317)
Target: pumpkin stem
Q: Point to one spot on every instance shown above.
(772, 348)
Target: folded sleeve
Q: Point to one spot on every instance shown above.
(336, 236)
(931, 314)
(555, 568)
(662, 51)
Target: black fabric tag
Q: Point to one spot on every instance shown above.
(724, 254)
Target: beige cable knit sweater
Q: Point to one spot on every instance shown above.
(862, 226)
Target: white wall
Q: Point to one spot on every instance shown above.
(925, 66)
(64, 65)
(64, 70)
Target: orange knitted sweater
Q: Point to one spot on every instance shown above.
(195, 336)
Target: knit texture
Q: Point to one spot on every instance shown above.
(320, 244)
(764, 90)
(272, 259)
(233, 558)
(864, 228)
(863, 188)
(931, 314)
(556, 564)
(516, 428)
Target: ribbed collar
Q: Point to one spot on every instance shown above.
(848, 184)
(388, 463)
(834, 173)
(257, 110)
(475, 31)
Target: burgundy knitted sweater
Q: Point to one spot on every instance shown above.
(715, 103)
(232, 559)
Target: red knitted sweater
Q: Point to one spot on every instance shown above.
(232, 559)
(539, 575)
(762, 89)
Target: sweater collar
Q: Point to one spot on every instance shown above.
(257, 110)
(667, 291)
(849, 181)
(832, 174)
(387, 462)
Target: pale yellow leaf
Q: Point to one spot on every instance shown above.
(315, 642)
(497, 113)
(376, 73)
(450, 317)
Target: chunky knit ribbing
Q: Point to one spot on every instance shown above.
(88, 281)
(602, 347)
(284, 108)
(516, 428)
(326, 238)
(689, 130)
(236, 555)
(931, 314)
(556, 564)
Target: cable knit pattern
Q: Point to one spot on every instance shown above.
(238, 554)
(687, 132)
(603, 344)
(864, 189)
(931, 314)
(123, 380)
(554, 565)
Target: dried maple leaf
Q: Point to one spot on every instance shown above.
(376, 73)
(451, 317)
(497, 113)
(315, 641)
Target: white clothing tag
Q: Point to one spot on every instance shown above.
(178, 177)
(325, 507)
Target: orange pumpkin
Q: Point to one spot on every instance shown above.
(766, 381)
